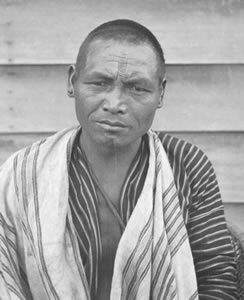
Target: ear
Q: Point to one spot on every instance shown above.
(163, 85)
(70, 85)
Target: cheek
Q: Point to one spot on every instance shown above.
(79, 111)
(84, 107)
(144, 115)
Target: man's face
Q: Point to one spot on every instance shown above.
(117, 92)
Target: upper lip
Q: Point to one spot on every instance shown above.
(113, 123)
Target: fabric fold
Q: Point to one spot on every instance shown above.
(154, 250)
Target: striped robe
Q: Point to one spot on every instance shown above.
(83, 203)
(39, 249)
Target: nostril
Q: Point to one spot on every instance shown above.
(114, 105)
(105, 108)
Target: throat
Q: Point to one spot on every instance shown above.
(110, 168)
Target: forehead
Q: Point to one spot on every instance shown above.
(116, 55)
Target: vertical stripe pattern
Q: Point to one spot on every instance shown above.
(83, 204)
(144, 267)
(154, 249)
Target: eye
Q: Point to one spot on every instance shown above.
(98, 83)
(137, 88)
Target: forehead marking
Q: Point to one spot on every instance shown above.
(122, 66)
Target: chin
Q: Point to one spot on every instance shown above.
(113, 142)
(114, 139)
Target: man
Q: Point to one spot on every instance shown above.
(112, 209)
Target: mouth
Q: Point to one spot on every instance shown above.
(112, 124)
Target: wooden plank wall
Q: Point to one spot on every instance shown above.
(204, 49)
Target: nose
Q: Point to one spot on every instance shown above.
(114, 101)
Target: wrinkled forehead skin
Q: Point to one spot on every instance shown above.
(87, 49)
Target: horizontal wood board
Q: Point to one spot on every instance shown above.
(190, 31)
(225, 150)
(197, 97)
(234, 215)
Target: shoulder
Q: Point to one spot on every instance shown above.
(193, 172)
(185, 155)
(175, 146)
(48, 146)
(34, 164)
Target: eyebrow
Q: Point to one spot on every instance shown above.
(106, 75)
(139, 79)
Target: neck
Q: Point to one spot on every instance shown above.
(108, 157)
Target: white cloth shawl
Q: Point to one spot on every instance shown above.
(153, 259)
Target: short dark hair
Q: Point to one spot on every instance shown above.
(122, 30)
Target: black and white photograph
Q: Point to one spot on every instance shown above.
(121, 150)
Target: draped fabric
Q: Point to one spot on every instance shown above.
(39, 250)
(154, 250)
(159, 243)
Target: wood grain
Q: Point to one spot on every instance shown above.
(197, 97)
(191, 31)
(234, 215)
(225, 150)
